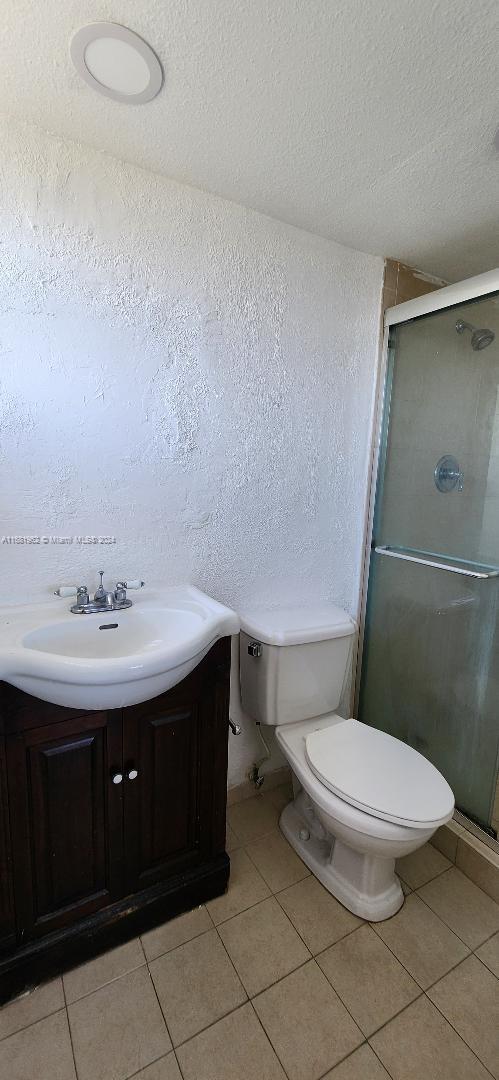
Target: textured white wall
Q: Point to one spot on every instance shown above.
(372, 123)
(189, 376)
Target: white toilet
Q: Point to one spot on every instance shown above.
(362, 798)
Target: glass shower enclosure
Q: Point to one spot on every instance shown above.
(430, 662)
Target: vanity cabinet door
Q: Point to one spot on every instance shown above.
(175, 767)
(66, 820)
(6, 906)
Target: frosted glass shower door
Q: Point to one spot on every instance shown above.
(430, 672)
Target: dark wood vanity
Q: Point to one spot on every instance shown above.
(111, 822)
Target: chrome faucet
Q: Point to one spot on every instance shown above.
(103, 599)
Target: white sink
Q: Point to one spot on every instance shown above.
(113, 659)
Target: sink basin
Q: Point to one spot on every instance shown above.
(112, 659)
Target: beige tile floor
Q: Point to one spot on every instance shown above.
(277, 981)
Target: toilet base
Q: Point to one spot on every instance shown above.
(365, 884)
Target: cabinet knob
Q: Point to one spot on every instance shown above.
(117, 777)
(132, 774)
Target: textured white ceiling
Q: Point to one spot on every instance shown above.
(368, 121)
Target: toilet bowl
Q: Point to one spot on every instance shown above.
(352, 848)
(362, 799)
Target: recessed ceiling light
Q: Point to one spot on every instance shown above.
(117, 62)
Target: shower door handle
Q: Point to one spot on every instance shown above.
(397, 553)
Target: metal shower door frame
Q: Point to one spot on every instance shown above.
(450, 296)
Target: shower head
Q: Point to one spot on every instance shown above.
(479, 338)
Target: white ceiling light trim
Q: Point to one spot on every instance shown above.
(117, 62)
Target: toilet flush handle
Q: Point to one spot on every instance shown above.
(255, 648)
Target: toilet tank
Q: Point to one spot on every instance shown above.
(293, 662)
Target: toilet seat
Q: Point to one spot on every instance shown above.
(378, 774)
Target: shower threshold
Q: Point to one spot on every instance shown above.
(482, 834)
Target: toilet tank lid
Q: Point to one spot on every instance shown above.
(297, 625)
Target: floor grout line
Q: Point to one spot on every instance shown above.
(138, 1072)
(248, 908)
(212, 1023)
(347, 1057)
(162, 1014)
(446, 973)
(173, 1049)
(276, 981)
(168, 952)
(386, 1022)
(259, 836)
(414, 888)
(383, 1066)
(179, 1067)
(406, 969)
(220, 938)
(458, 1033)
(69, 1026)
(321, 951)
(356, 1022)
(423, 901)
(228, 1013)
(487, 939)
(447, 1021)
(24, 1027)
(242, 912)
(267, 1036)
(484, 965)
(108, 982)
(210, 916)
(269, 886)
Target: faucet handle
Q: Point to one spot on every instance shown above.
(122, 586)
(82, 596)
(100, 591)
(120, 591)
(70, 590)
